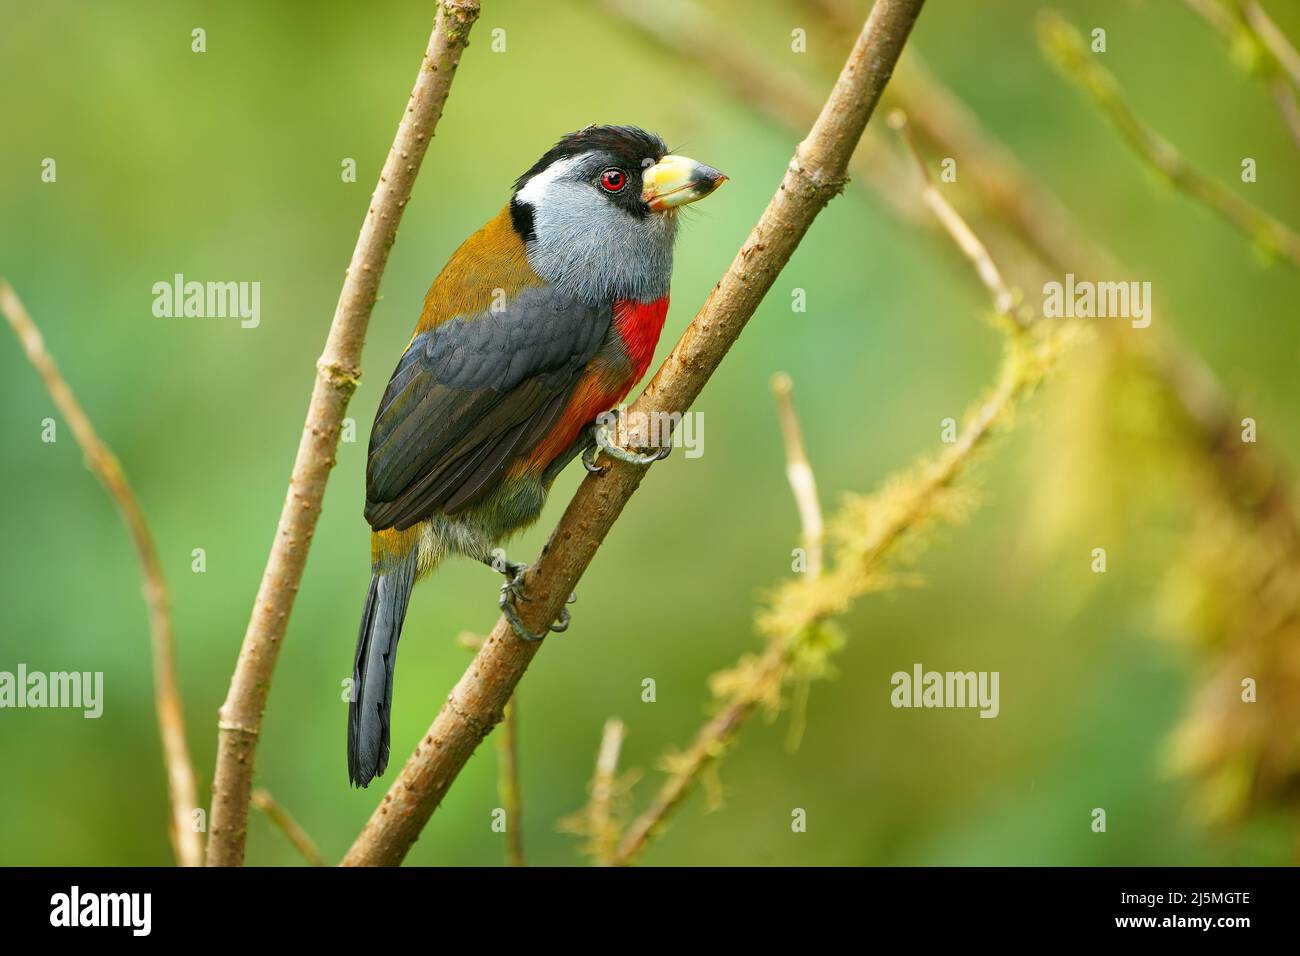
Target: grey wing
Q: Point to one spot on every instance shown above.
(469, 397)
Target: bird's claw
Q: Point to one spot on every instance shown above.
(513, 590)
(589, 460)
(605, 442)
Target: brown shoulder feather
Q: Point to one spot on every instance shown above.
(492, 258)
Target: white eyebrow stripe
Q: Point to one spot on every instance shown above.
(536, 187)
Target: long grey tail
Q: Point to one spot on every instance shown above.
(372, 671)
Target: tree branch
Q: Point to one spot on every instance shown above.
(182, 792)
(337, 372)
(1063, 44)
(815, 175)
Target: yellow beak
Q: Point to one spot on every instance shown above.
(675, 181)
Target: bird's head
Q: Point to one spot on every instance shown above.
(598, 212)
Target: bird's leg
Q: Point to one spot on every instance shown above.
(513, 590)
(513, 571)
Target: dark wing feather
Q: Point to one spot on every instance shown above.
(469, 397)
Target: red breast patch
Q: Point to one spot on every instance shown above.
(639, 325)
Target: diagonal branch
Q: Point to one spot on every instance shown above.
(961, 234)
(815, 175)
(1272, 38)
(1271, 54)
(186, 842)
(283, 821)
(337, 371)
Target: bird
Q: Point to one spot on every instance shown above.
(540, 323)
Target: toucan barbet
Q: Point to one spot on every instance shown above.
(543, 320)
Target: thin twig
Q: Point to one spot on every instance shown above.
(1234, 29)
(815, 175)
(182, 792)
(287, 825)
(1284, 95)
(508, 788)
(337, 372)
(798, 471)
(803, 485)
(602, 827)
(599, 819)
(1273, 39)
(962, 235)
(1063, 44)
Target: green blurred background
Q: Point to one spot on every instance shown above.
(226, 166)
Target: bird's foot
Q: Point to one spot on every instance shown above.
(603, 437)
(513, 590)
(513, 571)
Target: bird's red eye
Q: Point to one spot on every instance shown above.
(612, 180)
